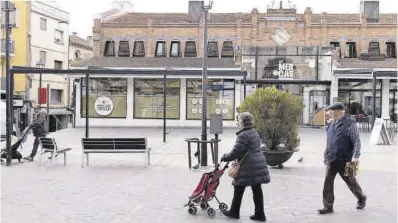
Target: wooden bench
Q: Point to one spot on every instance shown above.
(48, 145)
(115, 145)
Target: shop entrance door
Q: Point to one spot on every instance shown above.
(318, 100)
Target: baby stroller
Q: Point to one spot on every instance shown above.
(15, 154)
(206, 191)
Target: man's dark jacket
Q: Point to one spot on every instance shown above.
(39, 124)
(339, 146)
(254, 168)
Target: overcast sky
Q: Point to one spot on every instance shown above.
(82, 11)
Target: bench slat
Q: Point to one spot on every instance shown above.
(114, 151)
(114, 144)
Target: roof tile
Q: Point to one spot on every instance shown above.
(356, 63)
(169, 18)
(154, 62)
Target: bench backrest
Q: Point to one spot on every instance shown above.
(48, 143)
(114, 143)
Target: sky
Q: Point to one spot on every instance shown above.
(82, 11)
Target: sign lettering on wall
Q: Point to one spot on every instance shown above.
(285, 70)
(103, 106)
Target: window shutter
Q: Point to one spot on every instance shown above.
(109, 49)
(190, 49)
(139, 49)
(124, 49)
(227, 49)
(212, 49)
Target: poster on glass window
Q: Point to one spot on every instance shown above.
(107, 98)
(149, 98)
(220, 99)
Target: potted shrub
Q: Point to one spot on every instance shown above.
(276, 115)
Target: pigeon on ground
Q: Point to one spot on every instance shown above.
(300, 160)
(196, 166)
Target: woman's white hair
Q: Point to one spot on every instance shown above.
(245, 118)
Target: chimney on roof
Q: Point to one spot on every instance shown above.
(371, 10)
(195, 11)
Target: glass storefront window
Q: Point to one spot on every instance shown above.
(220, 98)
(357, 96)
(393, 101)
(107, 98)
(148, 99)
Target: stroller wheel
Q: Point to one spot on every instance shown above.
(192, 210)
(223, 207)
(204, 205)
(211, 212)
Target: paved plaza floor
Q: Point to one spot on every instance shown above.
(117, 188)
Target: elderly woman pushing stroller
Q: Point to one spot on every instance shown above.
(253, 169)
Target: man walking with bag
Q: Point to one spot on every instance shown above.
(343, 146)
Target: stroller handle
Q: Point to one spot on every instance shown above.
(225, 166)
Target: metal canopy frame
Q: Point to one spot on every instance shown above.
(375, 74)
(227, 72)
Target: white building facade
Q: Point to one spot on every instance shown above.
(49, 49)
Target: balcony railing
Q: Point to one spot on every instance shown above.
(3, 47)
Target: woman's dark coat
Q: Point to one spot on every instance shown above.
(254, 168)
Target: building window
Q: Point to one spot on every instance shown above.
(391, 50)
(212, 49)
(56, 96)
(43, 55)
(374, 48)
(107, 98)
(336, 46)
(281, 50)
(59, 37)
(58, 65)
(220, 98)
(148, 99)
(351, 50)
(77, 55)
(160, 49)
(109, 49)
(393, 101)
(227, 49)
(175, 49)
(124, 49)
(43, 24)
(139, 49)
(190, 49)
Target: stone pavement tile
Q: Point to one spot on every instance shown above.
(117, 188)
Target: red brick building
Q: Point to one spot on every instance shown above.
(265, 44)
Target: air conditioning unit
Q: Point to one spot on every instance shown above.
(57, 40)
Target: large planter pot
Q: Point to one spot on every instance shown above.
(278, 157)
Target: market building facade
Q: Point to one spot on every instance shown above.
(294, 51)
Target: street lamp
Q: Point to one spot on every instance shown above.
(203, 159)
(40, 64)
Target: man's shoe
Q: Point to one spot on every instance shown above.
(361, 203)
(325, 211)
(29, 158)
(255, 218)
(229, 214)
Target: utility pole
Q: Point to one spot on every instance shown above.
(7, 7)
(203, 154)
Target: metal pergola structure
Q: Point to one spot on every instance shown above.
(89, 72)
